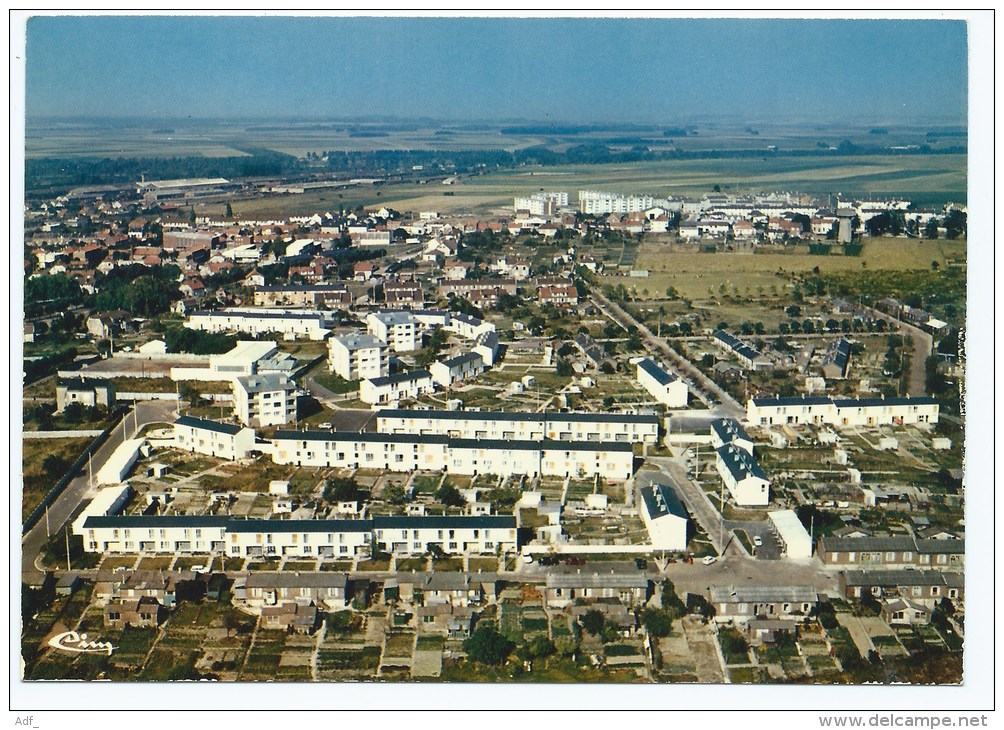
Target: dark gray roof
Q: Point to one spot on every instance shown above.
(292, 314)
(806, 400)
(921, 400)
(361, 436)
(933, 546)
(520, 416)
(400, 378)
(436, 522)
(155, 521)
(764, 594)
(206, 424)
(661, 500)
(729, 430)
(467, 357)
(894, 578)
(660, 375)
(739, 463)
(238, 525)
(82, 381)
(546, 445)
(868, 544)
(320, 288)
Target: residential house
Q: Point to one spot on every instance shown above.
(264, 400)
(291, 616)
(271, 588)
(213, 438)
(665, 517)
(665, 387)
(742, 476)
(138, 613)
(743, 603)
(563, 589)
(395, 388)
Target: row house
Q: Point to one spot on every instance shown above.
(892, 552)
(489, 534)
(303, 295)
(742, 476)
(412, 452)
(297, 617)
(667, 388)
(469, 286)
(665, 517)
(508, 426)
(743, 603)
(564, 589)
(559, 295)
(746, 354)
(272, 588)
(730, 431)
(843, 412)
(406, 295)
(391, 389)
(213, 438)
(153, 533)
(289, 324)
(924, 586)
(469, 327)
(451, 371)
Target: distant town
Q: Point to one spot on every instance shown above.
(594, 436)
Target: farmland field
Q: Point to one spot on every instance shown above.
(692, 274)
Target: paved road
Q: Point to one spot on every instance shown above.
(700, 384)
(63, 508)
(696, 500)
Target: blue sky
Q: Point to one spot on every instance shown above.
(569, 70)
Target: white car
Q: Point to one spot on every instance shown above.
(200, 569)
(757, 541)
(709, 560)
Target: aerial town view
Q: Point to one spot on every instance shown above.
(624, 387)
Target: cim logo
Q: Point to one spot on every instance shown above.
(76, 643)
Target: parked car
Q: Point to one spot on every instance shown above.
(757, 541)
(548, 560)
(710, 560)
(640, 563)
(200, 569)
(574, 561)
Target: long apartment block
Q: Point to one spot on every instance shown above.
(506, 426)
(433, 452)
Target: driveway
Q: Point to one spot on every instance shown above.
(770, 549)
(145, 412)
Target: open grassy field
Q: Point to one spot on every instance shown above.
(38, 481)
(693, 274)
(923, 178)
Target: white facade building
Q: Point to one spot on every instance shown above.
(665, 387)
(593, 202)
(358, 356)
(411, 452)
(264, 400)
(400, 330)
(455, 369)
(489, 534)
(742, 476)
(729, 431)
(665, 517)
(842, 412)
(246, 358)
(223, 440)
(522, 426)
(289, 324)
(795, 540)
(395, 388)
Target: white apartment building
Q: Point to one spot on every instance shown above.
(455, 369)
(729, 431)
(665, 387)
(223, 440)
(469, 327)
(489, 534)
(842, 412)
(305, 538)
(358, 356)
(522, 426)
(289, 324)
(594, 202)
(400, 330)
(411, 452)
(541, 203)
(742, 476)
(154, 534)
(395, 388)
(665, 517)
(486, 346)
(264, 400)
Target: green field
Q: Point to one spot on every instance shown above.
(694, 274)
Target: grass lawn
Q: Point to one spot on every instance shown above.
(38, 479)
(399, 644)
(430, 643)
(374, 565)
